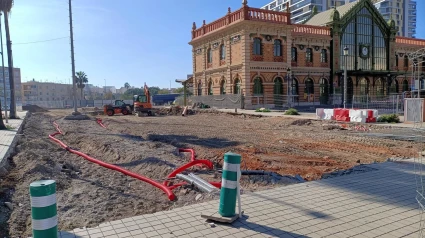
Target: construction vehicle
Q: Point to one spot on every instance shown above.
(119, 107)
(142, 103)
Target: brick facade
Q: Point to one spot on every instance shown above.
(246, 61)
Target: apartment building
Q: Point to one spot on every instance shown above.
(17, 79)
(403, 12)
(44, 91)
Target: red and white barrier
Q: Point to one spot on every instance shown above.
(347, 115)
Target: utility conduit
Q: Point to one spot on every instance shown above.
(215, 184)
(167, 191)
(99, 121)
(180, 169)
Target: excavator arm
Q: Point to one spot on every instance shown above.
(147, 93)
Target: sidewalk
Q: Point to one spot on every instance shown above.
(8, 139)
(378, 203)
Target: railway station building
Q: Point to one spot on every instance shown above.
(261, 55)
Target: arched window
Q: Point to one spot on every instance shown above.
(294, 54)
(257, 47)
(406, 61)
(394, 86)
(199, 88)
(324, 91)
(277, 48)
(309, 55)
(223, 87)
(294, 87)
(405, 85)
(379, 85)
(278, 86)
(364, 87)
(237, 87)
(309, 86)
(324, 56)
(209, 56)
(364, 33)
(423, 64)
(396, 60)
(222, 52)
(258, 86)
(210, 88)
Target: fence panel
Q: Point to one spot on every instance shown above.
(414, 110)
(219, 101)
(384, 104)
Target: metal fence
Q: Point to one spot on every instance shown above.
(70, 103)
(219, 101)
(384, 104)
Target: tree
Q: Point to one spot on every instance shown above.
(81, 80)
(181, 89)
(154, 90)
(127, 86)
(109, 96)
(6, 7)
(163, 91)
(128, 95)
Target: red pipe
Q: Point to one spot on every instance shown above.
(169, 193)
(180, 169)
(192, 157)
(192, 154)
(99, 121)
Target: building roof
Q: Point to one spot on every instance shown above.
(325, 17)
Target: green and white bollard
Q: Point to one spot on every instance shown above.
(43, 209)
(230, 185)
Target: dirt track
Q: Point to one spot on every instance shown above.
(89, 194)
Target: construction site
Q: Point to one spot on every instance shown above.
(276, 151)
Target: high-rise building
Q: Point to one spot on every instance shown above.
(403, 12)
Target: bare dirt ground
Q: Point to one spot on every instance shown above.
(89, 194)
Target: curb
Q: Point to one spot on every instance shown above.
(4, 162)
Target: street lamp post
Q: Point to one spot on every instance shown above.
(345, 76)
(4, 76)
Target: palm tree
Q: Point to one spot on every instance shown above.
(127, 86)
(81, 80)
(6, 7)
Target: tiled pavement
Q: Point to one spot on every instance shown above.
(7, 137)
(378, 203)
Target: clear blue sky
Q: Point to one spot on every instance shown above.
(145, 41)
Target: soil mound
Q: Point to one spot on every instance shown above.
(33, 108)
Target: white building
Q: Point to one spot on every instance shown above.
(111, 89)
(402, 11)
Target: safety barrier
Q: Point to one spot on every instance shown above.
(347, 115)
